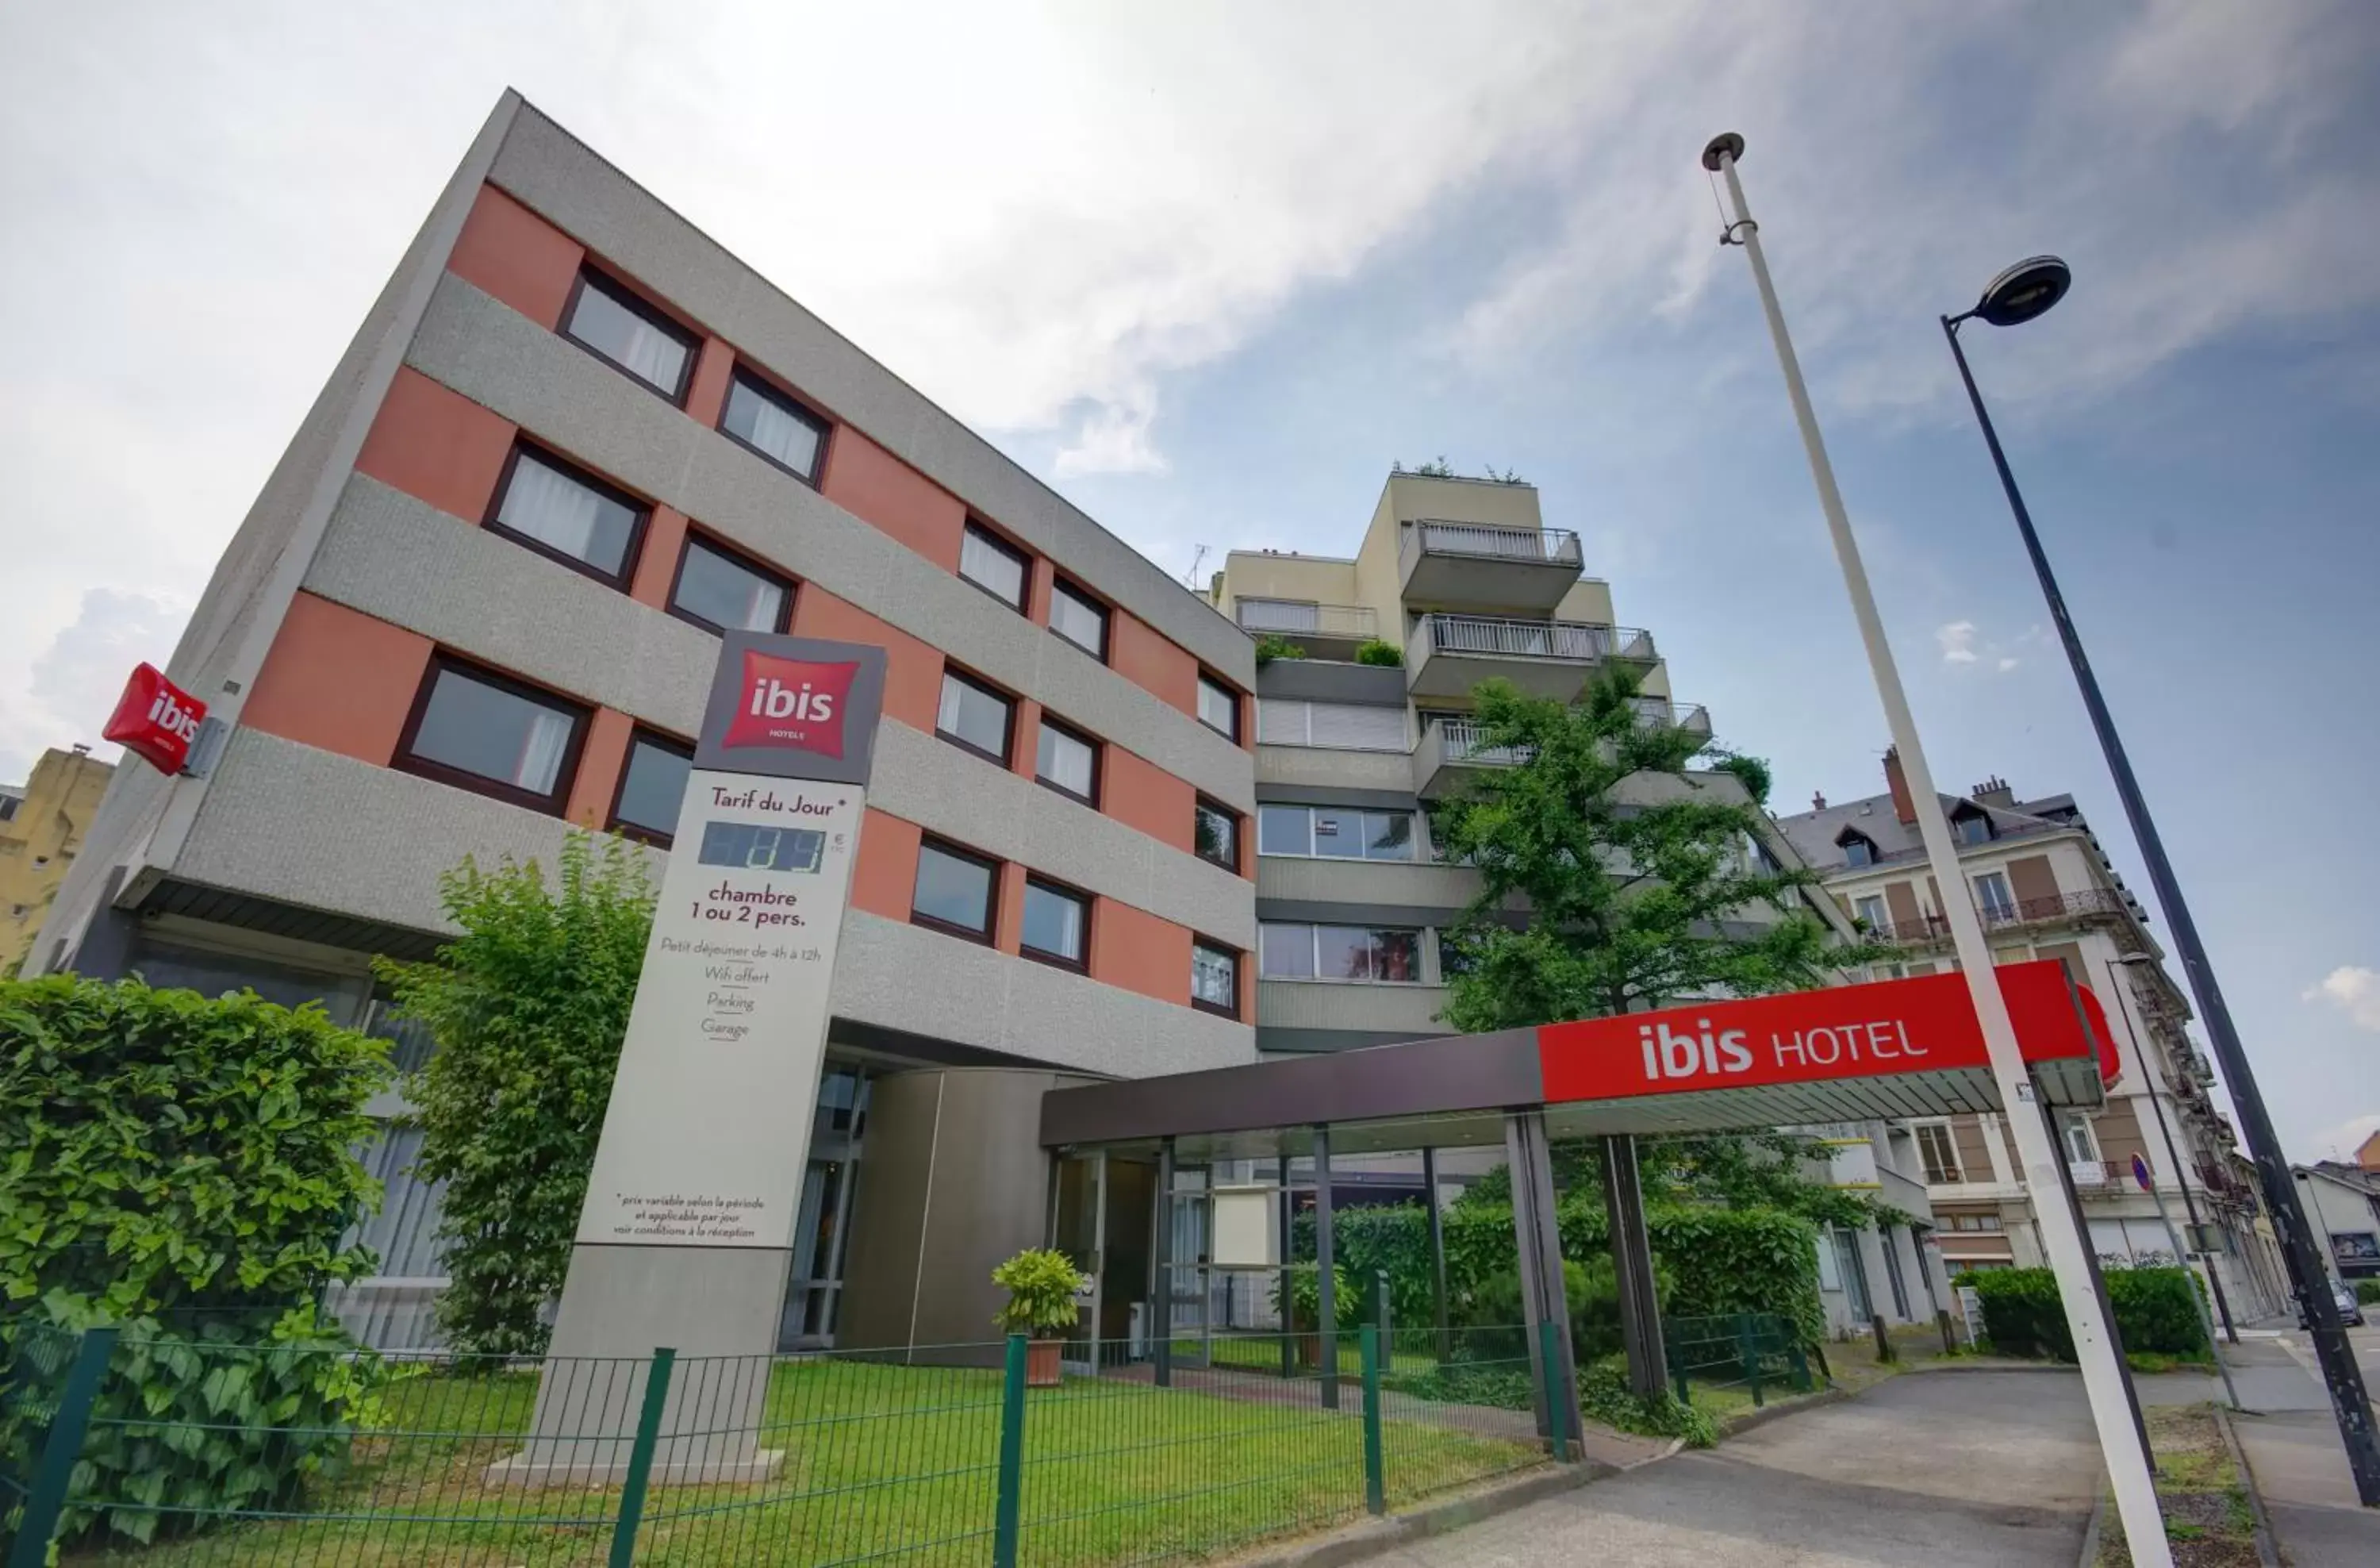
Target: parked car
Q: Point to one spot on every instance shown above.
(2350, 1311)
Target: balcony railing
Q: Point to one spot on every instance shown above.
(2001, 916)
(1554, 547)
(1463, 742)
(1292, 617)
(2093, 1172)
(1652, 711)
(1498, 637)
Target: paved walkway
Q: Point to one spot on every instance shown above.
(1947, 1468)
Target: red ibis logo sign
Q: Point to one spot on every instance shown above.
(792, 705)
(1914, 1026)
(155, 720)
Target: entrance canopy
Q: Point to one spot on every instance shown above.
(1851, 1053)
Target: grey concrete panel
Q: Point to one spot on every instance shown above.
(1337, 794)
(930, 781)
(980, 997)
(1331, 913)
(499, 358)
(1385, 772)
(555, 175)
(1276, 1040)
(1420, 885)
(991, 1198)
(405, 562)
(695, 1300)
(1327, 681)
(1408, 1012)
(887, 1212)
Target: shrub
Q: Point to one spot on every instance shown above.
(528, 1007)
(1043, 1288)
(1380, 651)
(1305, 1299)
(1272, 646)
(182, 1167)
(2155, 1314)
(2367, 1292)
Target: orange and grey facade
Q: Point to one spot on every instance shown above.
(478, 601)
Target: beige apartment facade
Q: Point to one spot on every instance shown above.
(2045, 889)
(41, 827)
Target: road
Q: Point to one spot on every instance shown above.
(1947, 1468)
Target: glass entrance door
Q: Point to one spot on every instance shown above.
(1077, 1228)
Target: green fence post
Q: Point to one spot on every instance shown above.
(1012, 1457)
(61, 1449)
(1376, 1481)
(1747, 1350)
(1549, 1355)
(1801, 1363)
(1678, 1368)
(640, 1458)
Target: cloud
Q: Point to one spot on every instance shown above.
(2341, 1141)
(2006, 663)
(1958, 640)
(2354, 990)
(74, 682)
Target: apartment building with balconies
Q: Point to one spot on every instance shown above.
(2047, 889)
(479, 603)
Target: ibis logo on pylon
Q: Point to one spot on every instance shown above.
(792, 704)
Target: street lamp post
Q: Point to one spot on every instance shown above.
(2017, 295)
(2122, 1440)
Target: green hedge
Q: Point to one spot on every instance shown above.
(1715, 1261)
(182, 1167)
(2368, 1291)
(2155, 1311)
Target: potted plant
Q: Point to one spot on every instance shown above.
(1044, 1295)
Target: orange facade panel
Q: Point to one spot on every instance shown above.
(337, 679)
(436, 445)
(873, 485)
(510, 253)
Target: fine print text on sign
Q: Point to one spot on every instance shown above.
(1914, 1026)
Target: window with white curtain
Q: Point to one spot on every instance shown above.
(621, 329)
(571, 515)
(722, 590)
(774, 425)
(1347, 726)
(992, 567)
(479, 730)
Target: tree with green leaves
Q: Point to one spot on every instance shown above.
(1647, 881)
(528, 1007)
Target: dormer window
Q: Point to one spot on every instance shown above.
(1974, 826)
(1858, 849)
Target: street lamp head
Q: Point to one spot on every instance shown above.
(2025, 291)
(1726, 142)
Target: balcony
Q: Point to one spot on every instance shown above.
(1324, 630)
(1451, 562)
(1447, 655)
(2094, 1175)
(1934, 930)
(1658, 710)
(1451, 749)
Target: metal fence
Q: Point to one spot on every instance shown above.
(1757, 1352)
(181, 1454)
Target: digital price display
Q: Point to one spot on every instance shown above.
(744, 846)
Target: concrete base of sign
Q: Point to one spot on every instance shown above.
(717, 1308)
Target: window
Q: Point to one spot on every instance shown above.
(628, 335)
(992, 567)
(1334, 831)
(723, 592)
(560, 511)
(8, 804)
(953, 891)
(1975, 827)
(774, 425)
(651, 786)
(1216, 834)
(1214, 979)
(974, 716)
(485, 732)
(1348, 726)
(1067, 762)
(1857, 850)
(1057, 924)
(2081, 1142)
(1080, 619)
(1219, 707)
(1300, 952)
(1992, 893)
(1939, 1152)
(1870, 910)
(1979, 1222)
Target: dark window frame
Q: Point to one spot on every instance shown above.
(771, 390)
(629, 555)
(1098, 761)
(582, 717)
(1239, 825)
(1239, 977)
(1853, 836)
(988, 935)
(1024, 559)
(1208, 678)
(744, 559)
(1042, 955)
(635, 304)
(1072, 589)
(1008, 730)
(613, 821)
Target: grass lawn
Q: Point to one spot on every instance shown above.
(890, 1464)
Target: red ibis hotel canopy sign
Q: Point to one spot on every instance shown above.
(155, 720)
(1926, 1025)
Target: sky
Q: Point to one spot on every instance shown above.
(1209, 270)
